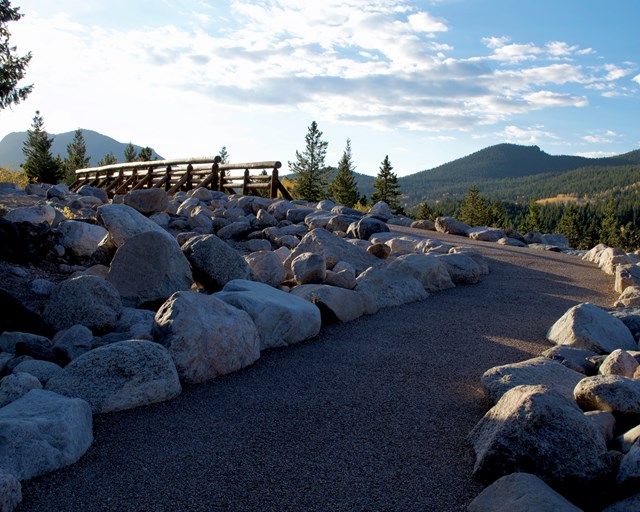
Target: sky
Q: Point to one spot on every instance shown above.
(424, 82)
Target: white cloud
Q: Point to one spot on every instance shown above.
(529, 135)
(424, 22)
(615, 73)
(636, 79)
(541, 99)
(597, 154)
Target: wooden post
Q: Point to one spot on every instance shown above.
(221, 182)
(245, 183)
(215, 176)
(273, 184)
(167, 181)
(189, 182)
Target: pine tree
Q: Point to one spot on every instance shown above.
(311, 175)
(474, 210)
(130, 153)
(571, 226)
(533, 220)
(76, 155)
(224, 155)
(610, 226)
(40, 166)
(12, 67)
(386, 186)
(424, 212)
(145, 154)
(108, 159)
(343, 187)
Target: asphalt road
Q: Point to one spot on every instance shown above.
(368, 416)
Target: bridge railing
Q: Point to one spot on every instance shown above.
(185, 174)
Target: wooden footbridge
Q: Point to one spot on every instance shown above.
(186, 174)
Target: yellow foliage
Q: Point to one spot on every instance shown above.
(288, 184)
(10, 176)
(560, 198)
(360, 207)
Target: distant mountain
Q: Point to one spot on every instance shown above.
(98, 146)
(513, 172)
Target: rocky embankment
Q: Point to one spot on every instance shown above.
(112, 305)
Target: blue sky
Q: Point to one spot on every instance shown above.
(424, 82)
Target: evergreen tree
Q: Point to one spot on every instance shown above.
(610, 226)
(386, 186)
(533, 220)
(12, 67)
(76, 155)
(224, 155)
(108, 159)
(311, 175)
(40, 166)
(474, 210)
(425, 212)
(130, 153)
(571, 226)
(343, 187)
(498, 216)
(145, 154)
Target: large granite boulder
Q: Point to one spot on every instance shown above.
(41, 370)
(124, 222)
(588, 327)
(72, 342)
(539, 370)
(520, 492)
(576, 359)
(214, 262)
(431, 271)
(629, 297)
(308, 268)
(334, 249)
(537, 430)
(147, 201)
(626, 276)
(366, 227)
(87, 300)
(381, 210)
(266, 267)
(281, 318)
(619, 362)
(119, 376)
(42, 432)
(337, 304)
(32, 214)
(148, 268)
(612, 393)
(16, 385)
(23, 242)
(390, 287)
(80, 239)
(451, 226)
(626, 505)
(10, 492)
(485, 234)
(205, 336)
(462, 268)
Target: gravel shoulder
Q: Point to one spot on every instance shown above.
(371, 415)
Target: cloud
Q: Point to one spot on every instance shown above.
(542, 99)
(604, 137)
(597, 154)
(530, 135)
(636, 79)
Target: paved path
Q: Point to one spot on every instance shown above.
(369, 416)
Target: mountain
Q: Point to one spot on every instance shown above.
(98, 146)
(518, 173)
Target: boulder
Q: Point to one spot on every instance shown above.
(539, 370)
(81, 239)
(576, 359)
(588, 327)
(400, 244)
(206, 336)
(485, 234)
(462, 268)
(381, 210)
(279, 209)
(42, 432)
(16, 385)
(334, 249)
(423, 224)
(235, 230)
(619, 362)
(593, 255)
(24, 242)
(512, 242)
(381, 251)
(308, 268)
(532, 420)
(124, 222)
(148, 268)
(99, 193)
(341, 222)
(610, 258)
(390, 287)
(16, 317)
(534, 237)
(137, 323)
(36, 347)
(214, 262)
(281, 318)
(451, 226)
(72, 342)
(520, 492)
(366, 227)
(605, 422)
(325, 205)
(87, 300)
(119, 376)
(266, 218)
(342, 279)
(629, 471)
(336, 304)
(318, 219)
(431, 271)
(148, 200)
(556, 239)
(41, 370)
(345, 210)
(610, 393)
(9, 340)
(629, 297)
(476, 256)
(297, 215)
(627, 505)
(266, 266)
(626, 276)
(630, 317)
(32, 214)
(10, 492)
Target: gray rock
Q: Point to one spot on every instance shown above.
(512, 242)
(610, 258)
(462, 268)
(266, 266)
(381, 210)
(256, 245)
(341, 222)
(41, 370)
(81, 238)
(611, 393)
(604, 421)
(32, 214)
(297, 215)
(485, 234)
(281, 318)
(325, 205)
(627, 505)
(431, 271)
(629, 471)
(147, 201)
(42, 287)
(72, 342)
(626, 276)
(318, 219)
(451, 226)
(520, 492)
(629, 297)
(235, 230)
(266, 218)
(630, 317)
(539, 370)
(280, 208)
(120, 376)
(43, 431)
(87, 300)
(342, 279)
(16, 385)
(534, 237)
(214, 262)
(10, 492)
(576, 359)
(366, 227)
(336, 304)
(308, 268)
(619, 362)
(556, 239)
(588, 327)
(100, 193)
(124, 222)
(136, 323)
(476, 256)
(149, 268)
(334, 249)
(424, 224)
(575, 453)
(206, 336)
(381, 251)
(390, 287)
(9, 340)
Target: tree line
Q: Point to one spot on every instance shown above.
(312, 181)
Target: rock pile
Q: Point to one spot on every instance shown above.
(150, 292)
